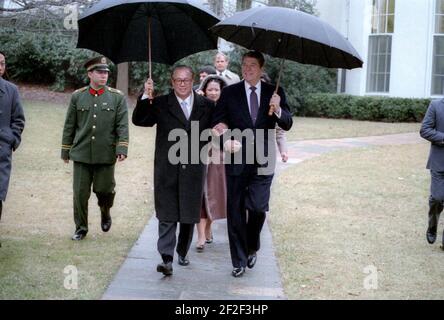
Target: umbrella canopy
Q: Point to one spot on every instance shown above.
(124, 30)
(289, 34)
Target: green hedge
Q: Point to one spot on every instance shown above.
(387, 109)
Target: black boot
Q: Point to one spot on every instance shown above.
(105, 202)
(435, 209)
(106, 219)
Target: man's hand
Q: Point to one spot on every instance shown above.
(121, 157)
(219, 129)
(232, 146)
(200, 92)
(149, 88)
(275, 103)
(284, 156)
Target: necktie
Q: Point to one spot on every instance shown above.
(254, 104)
(221, 74)
(183, 104)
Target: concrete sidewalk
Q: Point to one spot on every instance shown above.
(209, 274)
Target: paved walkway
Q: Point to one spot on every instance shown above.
(208, 275)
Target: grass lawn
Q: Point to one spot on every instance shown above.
(37, 221)
(335, 215)
(318, 128)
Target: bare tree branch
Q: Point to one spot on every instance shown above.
(23, 5)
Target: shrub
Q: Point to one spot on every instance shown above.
(364, 108)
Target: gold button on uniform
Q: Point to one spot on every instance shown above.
(93, 137)
(95, 116)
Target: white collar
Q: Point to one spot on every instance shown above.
(257, 86)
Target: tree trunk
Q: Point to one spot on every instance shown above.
(122, 77)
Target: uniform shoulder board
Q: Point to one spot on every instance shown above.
(115, 91)
(81, 89)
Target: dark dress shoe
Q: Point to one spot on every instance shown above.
(251, 260)
(79, 235)
(165, 268)
(183, 261)
(210, 240)
(106, 219)
(431, 235)
(238, 272)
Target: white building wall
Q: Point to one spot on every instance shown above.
(412, 49)
(412, 43)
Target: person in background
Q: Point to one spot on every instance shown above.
(12, 123)
(432, 129)
(221, 62)
(203, 73)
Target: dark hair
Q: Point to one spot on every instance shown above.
(221, 82)
(207, 70)
(182, 66)
(255, 54)
(3, 54)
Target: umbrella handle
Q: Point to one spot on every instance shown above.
(270, 112)
(149, 55)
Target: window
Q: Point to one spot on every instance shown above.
(438, 50)
(380, 46)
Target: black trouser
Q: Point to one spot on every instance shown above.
(1, 209)
(167, 239)
(247, 202)
(436, 199)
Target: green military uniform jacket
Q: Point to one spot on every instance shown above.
(96, 127)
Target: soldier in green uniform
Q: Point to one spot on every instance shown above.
(94, 136)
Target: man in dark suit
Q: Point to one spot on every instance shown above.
(178, 185)
(432, 129)
(251, 106)
(12, 123)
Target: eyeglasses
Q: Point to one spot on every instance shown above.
(184, 81)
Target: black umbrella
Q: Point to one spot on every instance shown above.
(289, 34)
(158, 31)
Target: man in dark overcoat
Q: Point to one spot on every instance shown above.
(250, 106)
(432, 129)
(12, 123)
(178, 183)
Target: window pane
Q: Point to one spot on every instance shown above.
(438, 45)
(391, 24)
(378, 72)
(382, 27)
(438, 85)
(383, 4)
(439, 6)
(391, 8)
(374, 24)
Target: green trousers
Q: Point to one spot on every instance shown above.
(101, 177)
